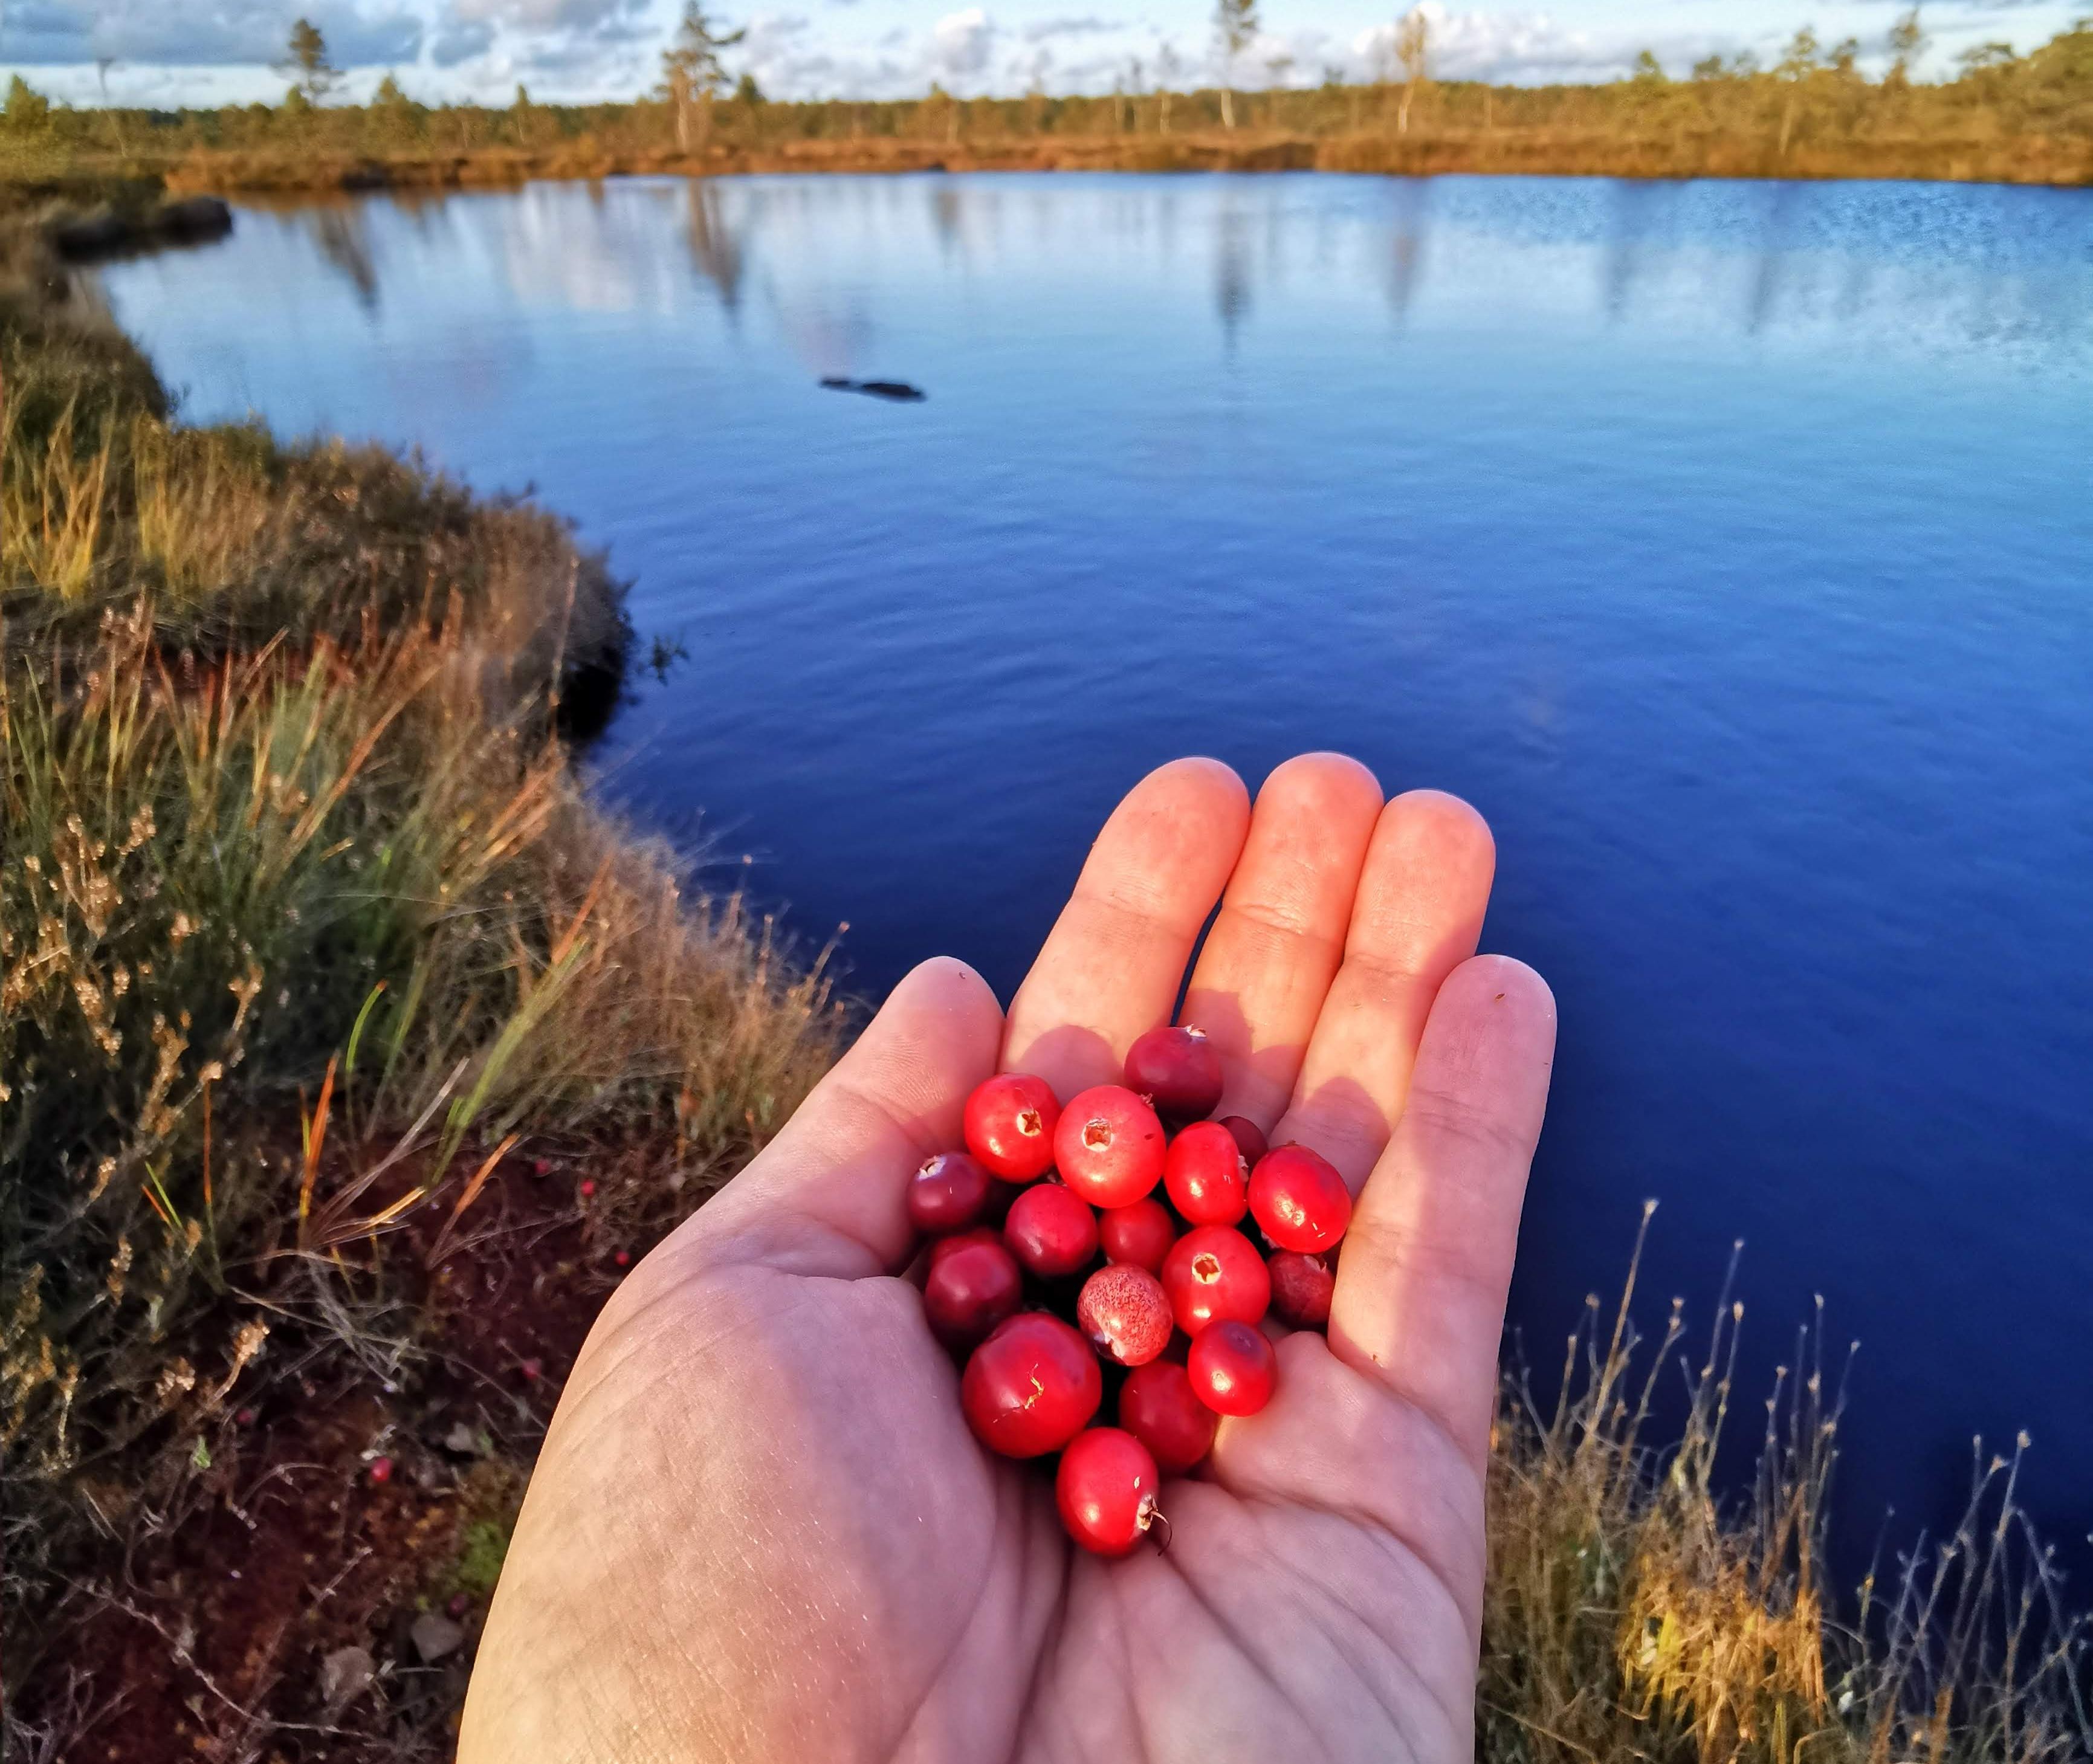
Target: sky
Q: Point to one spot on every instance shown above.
(210, 52)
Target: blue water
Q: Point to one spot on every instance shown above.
(1730, 545)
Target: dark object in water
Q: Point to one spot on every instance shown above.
(898, 391)
(194, 220)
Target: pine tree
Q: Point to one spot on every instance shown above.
(1907, 43)
(1413, 49)
(691, 71)
(1235, 29)
(312, 75)
(29, 111)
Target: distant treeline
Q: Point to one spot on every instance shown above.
(1814, 113)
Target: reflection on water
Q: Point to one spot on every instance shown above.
(1728, 544)
(715, 240)
(339, 232)
(1890, 268)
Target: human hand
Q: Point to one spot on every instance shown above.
(760, 1527)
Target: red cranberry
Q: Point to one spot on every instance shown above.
(460, 1604)
(381, 1470)
(1232, 1368)
(969, 1291)
(1109, 1147)
(945, 1247)
(1249, 1136)
(1208, 1180)
(1123, 1313)
(1051, 1231)
(244, 1418)
(1010, 1126)
(1301, 1288)
(1299, 1199)
(588, 1188)
(622, 1258)
(948, 1194)
(1158, 1406)
(1106, 1490)
(1140, 1234)
(1178, 1070)
(1212, 1272)
(1031, 1387)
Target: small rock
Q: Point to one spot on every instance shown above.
(435, 1637)
(344, 1675)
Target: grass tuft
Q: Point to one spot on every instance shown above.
(301, 904)
(1634, 1612)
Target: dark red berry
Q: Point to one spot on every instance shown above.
(1301, 1288)
(460, 1604)
(1300, 1201)
(1176, 1069)
(945, 1247)
(969, 1291)
(1031, 1387)
(1158, 1406)
(622, 1258)
(244, 1418)
(948, 1194)
(1140, 1233)
(1010, 1126)
(1249, 1136)
(1232, 1368)
(381, 1470)
(1212, 1272)
(1051, 1231)
(1106, 1490)
(1204, 1171)
(1109, 1147)
(1121, 1308)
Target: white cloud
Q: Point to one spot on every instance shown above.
(961, 42)
(220, 33)
(545, 14)
(1525, 47)
(1071, 27)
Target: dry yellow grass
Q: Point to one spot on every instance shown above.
(288, 817)
(1636, 1610)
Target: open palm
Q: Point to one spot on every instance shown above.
(760, 1527)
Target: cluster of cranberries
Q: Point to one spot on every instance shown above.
(1171, 1312)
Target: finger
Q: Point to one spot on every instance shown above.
(826, 1196)
(1422, 1279)
(1419, 913)
(1273, 952)
(1111, 966)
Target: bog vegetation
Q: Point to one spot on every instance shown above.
(303, 916)
(306, 929)
(1812, 113)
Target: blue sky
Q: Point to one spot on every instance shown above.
(168, 52)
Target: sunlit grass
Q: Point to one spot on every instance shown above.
(1637, 1610)
(299, 886)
